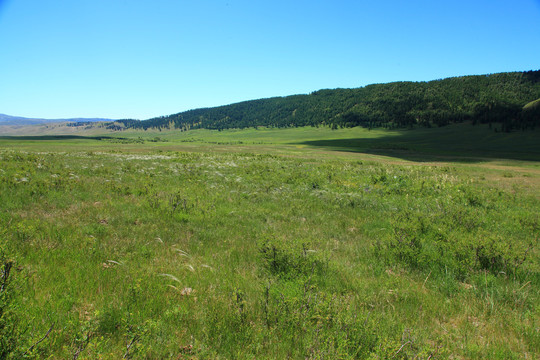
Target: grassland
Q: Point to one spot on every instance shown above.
(297, 243)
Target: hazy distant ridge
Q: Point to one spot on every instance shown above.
(22, 121)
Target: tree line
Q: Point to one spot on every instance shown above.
(508, 99)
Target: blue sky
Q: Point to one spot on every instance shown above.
(140, 59)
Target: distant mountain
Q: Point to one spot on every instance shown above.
(23, 121)
(496, 98)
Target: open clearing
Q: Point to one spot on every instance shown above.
(296, 243)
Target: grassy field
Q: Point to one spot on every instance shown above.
(455, 142)
(296, 243)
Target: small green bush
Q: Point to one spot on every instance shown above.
(290, 260)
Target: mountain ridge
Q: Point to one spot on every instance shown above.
(23, 121)
(491, 98)
(509, 99)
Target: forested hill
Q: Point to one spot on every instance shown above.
(497, 98)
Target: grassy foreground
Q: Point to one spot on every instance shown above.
(218, 248)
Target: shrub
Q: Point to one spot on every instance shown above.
(290, 260)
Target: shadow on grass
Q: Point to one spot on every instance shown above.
(420, 147)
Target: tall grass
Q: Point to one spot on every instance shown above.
(140, 253)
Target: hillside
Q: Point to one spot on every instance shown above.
(22, 126)
(496, 98)
(23, 121)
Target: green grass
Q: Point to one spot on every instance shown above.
(457, 142)
(458, 139)
(264, 244)
(532, 105)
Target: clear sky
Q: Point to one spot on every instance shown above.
(140, 59)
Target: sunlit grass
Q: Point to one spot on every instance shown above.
(201, 250)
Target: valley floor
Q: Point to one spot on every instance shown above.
(297, 243)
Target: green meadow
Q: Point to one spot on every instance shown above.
(301, 243)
